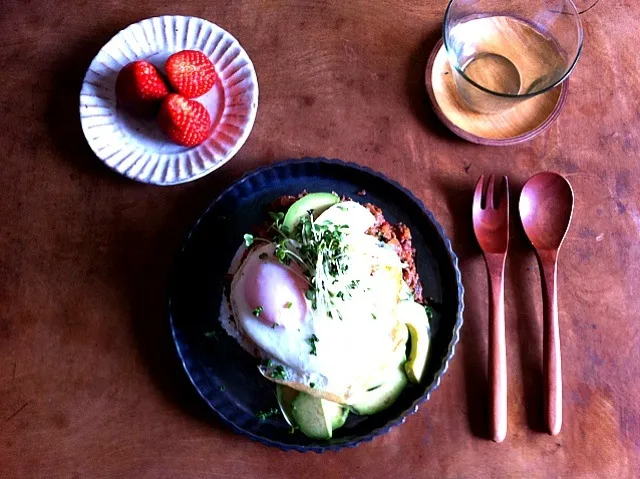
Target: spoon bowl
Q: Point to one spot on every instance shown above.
(546, 208)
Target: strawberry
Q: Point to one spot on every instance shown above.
(140, 88)
(191, 73)
(184, 121)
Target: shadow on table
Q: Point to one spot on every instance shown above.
(459, 197)
(142, 253)
(416, 89)
(473, 338)
(521, 276)
(63, 109)
(147, 262)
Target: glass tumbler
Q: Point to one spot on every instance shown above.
(502, 52)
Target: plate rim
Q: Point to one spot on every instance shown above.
(440, 372)
(242, 139)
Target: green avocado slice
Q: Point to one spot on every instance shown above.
(316, 417)
(380, 398)
(337, 412)
(316, 202)
(286, 396)
(415, 317)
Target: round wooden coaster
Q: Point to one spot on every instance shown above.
(524, 121)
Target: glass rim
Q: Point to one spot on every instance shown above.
(518, 95)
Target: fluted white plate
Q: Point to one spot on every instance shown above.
(136, 147)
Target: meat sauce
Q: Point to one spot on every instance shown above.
(399, 237)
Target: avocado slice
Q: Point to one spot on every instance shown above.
(316, 417)
(380, 398)
(286, 396)
(415, 317)
(337, 412)
(316, 202)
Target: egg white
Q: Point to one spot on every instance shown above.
(352, 353)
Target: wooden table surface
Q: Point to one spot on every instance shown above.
(89, 386)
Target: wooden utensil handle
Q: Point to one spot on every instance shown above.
(497, 350)
(552, 368)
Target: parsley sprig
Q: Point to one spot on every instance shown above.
(279, 373)
(312, 340)
(267, 413)
(320, 249)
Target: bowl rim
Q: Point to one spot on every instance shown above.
(439, 373)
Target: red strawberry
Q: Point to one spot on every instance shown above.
(140, 87)
(184, 121)
(191, 73)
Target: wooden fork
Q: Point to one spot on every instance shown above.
(491, 226)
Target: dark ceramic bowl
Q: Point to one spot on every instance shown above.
(223, 373)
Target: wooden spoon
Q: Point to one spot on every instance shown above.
(546, 207)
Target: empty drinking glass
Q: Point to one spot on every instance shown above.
(505, 51)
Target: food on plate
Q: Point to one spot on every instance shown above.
(417, 322)
(316, 202)
(191, 73)
(186, 122)
(140, 88)
(285, 398)
(317, 417)
(378, 399)
(326, 294)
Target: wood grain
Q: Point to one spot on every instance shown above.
(552, 363)
(89, 385)
(498, 386)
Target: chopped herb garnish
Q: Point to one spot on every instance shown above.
(278, 373)
(273, 325)
(312, 385)
(267, 363)
(248, 240)
(277, 217)
(312, 342)
(256, 312)
(319, 249)
(374, 316)
(263, 256)
(262, 415)
(211, 335)
(311, 296)
(288, 304)
(429, 311)
(341, 208)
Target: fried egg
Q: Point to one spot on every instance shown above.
(309, 349)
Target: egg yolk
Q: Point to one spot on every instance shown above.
(276, 293)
